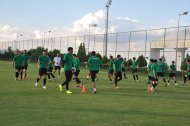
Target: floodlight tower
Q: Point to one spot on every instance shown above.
(106, 26)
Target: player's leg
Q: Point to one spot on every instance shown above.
(137, 75)
(175, 80)
(39, 77)
(44, 81)
(134, 74)
(93, 77)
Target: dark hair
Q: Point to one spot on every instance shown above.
(160, 59)
(70, 48)
(111, 57)
(173, 61)
(134, 58)
(155, 61)
(45, 50)
(151, 60)
(188, 60)
(74, 55)
(118, 56)
(25, 50)
(93, 53)
(124, 58)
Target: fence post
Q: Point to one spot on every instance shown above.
(165, 30)
(129, 45)
(116, 44)
(94, 42)
(146, 42)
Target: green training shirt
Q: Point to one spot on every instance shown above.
(18, 59)
(172, 68)
(188, 68)
(94, 63)
(134, 64)
(68, 59)
(160, 66)
(76, 63)
(44, 61)
(111, 64)
(149, 66)
(123, 64)
(26, 58)
(117, 65)
(152, 70)
(50, 64)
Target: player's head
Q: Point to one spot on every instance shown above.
(188, 61)
(160, 59)
(70, 50)
(119, 56)
(57, 54)
(93, 53)
(151, 60)
(74, 55)
(134, 58)
(111, 57)
(44, 52)
(173, 62)
(18, 52)
(25, 51)
(155, 60)
(125, 59)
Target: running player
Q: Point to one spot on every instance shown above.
(110, 69)
(187, 72)
(43, 62)
(160, 69)
(50, 69)
(57, 64)
(76, 71)
(172, 74)
(134, 69)
(153, 74)
(26, 61)
(17, 64)
(68, 63)
(148, 71)
(117, 70)
(124, 63)
(94, 64)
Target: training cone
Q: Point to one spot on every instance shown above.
(148, 89)
(83, 89)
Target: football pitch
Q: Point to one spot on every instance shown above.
(22, 104)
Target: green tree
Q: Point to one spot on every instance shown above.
(183, 63)
(82, 53)
(142, 61)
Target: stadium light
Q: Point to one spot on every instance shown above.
(90, 25)
(45, 36)
(18, 41)
(107, 25)
(177, 41)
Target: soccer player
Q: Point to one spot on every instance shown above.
(50, 69)
(124, 63)
(148, 71)
(172, 74)
(76, 71)
(57, 64)
(187, 75)
(67, 63)
(134, 69)
(153, 74)
(17, 64)
(26, 61)
(160, 69)
(94, 64)
(110, 69)
(117, 65)
(43, 62)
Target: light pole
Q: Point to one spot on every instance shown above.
(18, 41)
(107, 24)
(90, 25)
(45, 37)
(184, 13)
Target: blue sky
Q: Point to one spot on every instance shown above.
(41, 15)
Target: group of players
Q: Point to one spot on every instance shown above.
(71, 67)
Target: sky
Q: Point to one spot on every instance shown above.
(67, 17)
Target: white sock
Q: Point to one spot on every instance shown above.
(94, 89)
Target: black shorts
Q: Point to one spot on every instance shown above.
(123, 69)
(93, 75)
(42, 71)
(18, 68)
(154, 79)
(68, 75)
(172, 75)
(110, 72)
(25, 67)
(160, 74)
(134, 70)
(50, 69)
(57, 67)
(76, 73)
(118, 75)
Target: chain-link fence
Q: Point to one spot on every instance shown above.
(151, 43)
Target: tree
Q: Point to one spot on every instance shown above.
(129, 63)
(82, 53)
(184, 63)
(142, 61)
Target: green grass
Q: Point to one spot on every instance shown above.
(21, 104)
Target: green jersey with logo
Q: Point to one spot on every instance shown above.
(76, 63)
(44, 61)
(134, 64)
(160, 66)
(172, 68)
(153, 69)
(68, 59)
(111, 64)
(117, 65)
(94, 63)
(18, 59)
(26, 58)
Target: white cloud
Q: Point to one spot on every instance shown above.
(128, 19)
